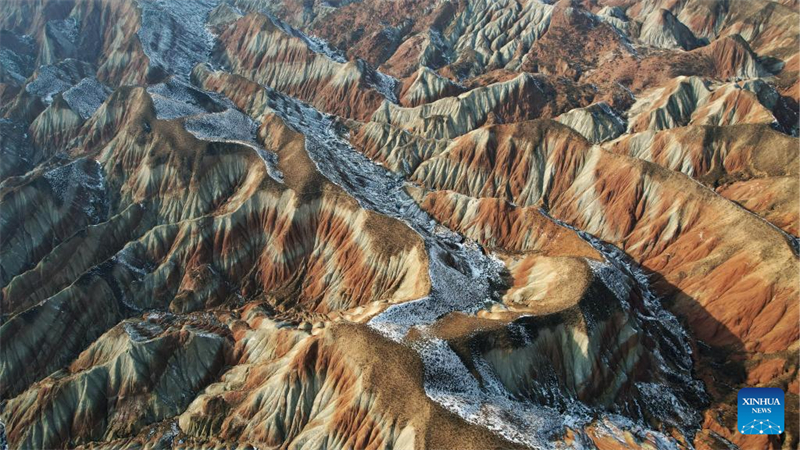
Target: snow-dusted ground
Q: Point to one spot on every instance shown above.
(173, 33)
(210, 117)
(468, 284)
(314, 43)
(673, 353)
(17, 55)
(64, 32)
(386, 85)
(176, 98)
(235, 127)
(3, 439)
(81, 182)
(53, 79)
(464, 285)
(463, 277)
(142, 331)
(17, 66)
(86, 96)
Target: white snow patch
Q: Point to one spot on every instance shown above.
(49, 81)
(86, 96)
(384, 84)
(234, 127)
(173, 33)
(65, 32)
(75, 184)
(315, 44)
(211, 117)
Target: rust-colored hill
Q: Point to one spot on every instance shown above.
(461, 224)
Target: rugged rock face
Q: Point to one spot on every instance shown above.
(268, 52)
(397, 225)
(597, 122)
(663, 30)
(520, 98)
(732, 160)
(426, 86)
(553, 167)
(689, 101)
(156, 366)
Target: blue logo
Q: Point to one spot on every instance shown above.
(760, 411)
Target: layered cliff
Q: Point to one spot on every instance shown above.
(259, 48)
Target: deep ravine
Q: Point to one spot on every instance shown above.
(464, 278)
(471, 283)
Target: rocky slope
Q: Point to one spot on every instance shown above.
(397, 225)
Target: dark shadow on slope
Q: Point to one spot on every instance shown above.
(720, 359)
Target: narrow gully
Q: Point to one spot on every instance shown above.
(466, 284)
(471, 283)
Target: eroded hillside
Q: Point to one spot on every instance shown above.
(442, 224)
